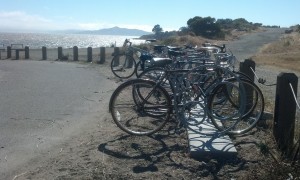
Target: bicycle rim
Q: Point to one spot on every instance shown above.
(224, 115)
(123, 66)
(136, 116)
(254, 107)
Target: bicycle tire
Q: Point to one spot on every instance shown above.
(139, 69)
(123, 66)
(137, 117)
(155, 74)
(254, 100)
(223, 115)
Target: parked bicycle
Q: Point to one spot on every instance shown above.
(192, 79)
(143, 107)
(124, 64)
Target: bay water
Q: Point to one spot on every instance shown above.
(54, 40)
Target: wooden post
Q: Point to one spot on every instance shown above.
(60, 53)
(44, 53)
(17, 54)
(245, 67)
(89, 54)
(26, 52)
(8, 52)
(116, 56)
(285, 109)
(102, 55)
(129, 62)
(75, 53)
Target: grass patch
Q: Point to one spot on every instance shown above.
(283, 53)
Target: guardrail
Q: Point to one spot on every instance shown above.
(60, 53)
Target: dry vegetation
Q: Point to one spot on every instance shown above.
(283, 53)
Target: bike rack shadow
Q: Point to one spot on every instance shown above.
(165, 150)
(140, 150)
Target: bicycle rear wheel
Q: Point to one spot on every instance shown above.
(123, 66)
(254, 108)
(141, 113)
(227, 113)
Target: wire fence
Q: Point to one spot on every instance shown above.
(296, 101)
(297, 116)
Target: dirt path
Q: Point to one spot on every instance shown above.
(102, 151)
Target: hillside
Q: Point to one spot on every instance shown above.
(117, 31)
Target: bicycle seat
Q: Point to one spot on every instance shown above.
(160, 62)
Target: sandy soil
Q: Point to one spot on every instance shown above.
(103, 151)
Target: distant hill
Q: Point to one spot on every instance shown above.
(117, 31)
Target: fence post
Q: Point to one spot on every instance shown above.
(102, 55)
(44, 53)
(75, 53)
(89, 54)
(245, 68)
(60, 53)
(117, 56)
(26, 52)
(8, 52)
(17, 54)
(285, 109)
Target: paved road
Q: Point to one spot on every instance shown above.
(249, 44)
(43, 103)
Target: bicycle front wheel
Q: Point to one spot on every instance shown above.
(123, 66)
(142, 113)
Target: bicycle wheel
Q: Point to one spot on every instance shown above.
(152, 73)
(224, 115)
(140, 114)
(155, 74)
(139, 69)
(123, 66)
(254, 108)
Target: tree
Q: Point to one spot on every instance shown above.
(241, 24)
(206, 27)
(184, 30)
(225, 23)
(157, 29)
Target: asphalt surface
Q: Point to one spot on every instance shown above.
(43, 103)
(249, 44)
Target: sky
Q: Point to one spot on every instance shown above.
(48, 15)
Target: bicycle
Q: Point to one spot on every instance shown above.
(124, 65)
(143, 107)
(254, 98)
